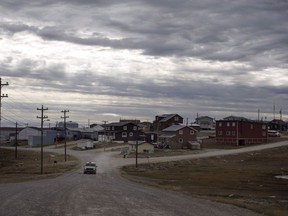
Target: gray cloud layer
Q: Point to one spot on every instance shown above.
(251, 33)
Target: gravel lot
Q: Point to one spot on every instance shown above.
(105, 193)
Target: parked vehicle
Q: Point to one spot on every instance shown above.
(273, 133)
(90, 168)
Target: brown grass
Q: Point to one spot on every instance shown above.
(246, 180)
(27, 166)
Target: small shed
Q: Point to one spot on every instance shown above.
(143, 147)
(194, 145)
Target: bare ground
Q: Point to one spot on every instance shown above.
(27, 166)
(246, 180)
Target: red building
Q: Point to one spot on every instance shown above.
(178, 137)
(241, 132)
(163, 121)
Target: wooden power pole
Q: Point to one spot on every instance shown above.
(42, 117)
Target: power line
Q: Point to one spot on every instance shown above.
(13, 122)
(13, 115)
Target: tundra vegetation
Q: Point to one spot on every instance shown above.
(27, 165)
(246, 180)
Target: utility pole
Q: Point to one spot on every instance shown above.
(65, 117)
(105, 131)
(16, 141)
(274, 108)
(136, 153)
(42, 117)
(1, 96)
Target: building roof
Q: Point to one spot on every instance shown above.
(194, 143)
(34, 128)
(176, 128)
(73, 129)
(166, 117)
(119, 124)
(167, 135)
(236, 118)
(278, 121)
(203, 117)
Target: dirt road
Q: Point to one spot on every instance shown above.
(106, 193)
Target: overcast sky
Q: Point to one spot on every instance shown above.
(111, 59)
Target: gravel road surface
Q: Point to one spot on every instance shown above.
(106, 193)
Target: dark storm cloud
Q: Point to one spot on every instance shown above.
(222, 30)
(37, 70)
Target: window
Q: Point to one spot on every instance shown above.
(176, 118)
(233, 124)
(228, 133)
(220, 124)
(124, 134)
(180, 140)
(112, 128)
(180, 131)
(131, 134)
(107, 128)
(191, 132)
(228, 124)
(263, 134)
(233, 133)
(251, 126)
(135, 128)
(264, 127)
(124, 127)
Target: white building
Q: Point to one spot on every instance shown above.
(29, 131)
(206, 122)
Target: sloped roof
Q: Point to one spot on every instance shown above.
(166, 117)
(119, 124)
(34, 128)
(174, 128)
(236, 118)
(73, 129)
(194, 143)
(167, 135)
(278, 121)
(203, 117)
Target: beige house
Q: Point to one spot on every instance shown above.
(143, 147)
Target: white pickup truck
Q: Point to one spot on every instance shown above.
(90, 168)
